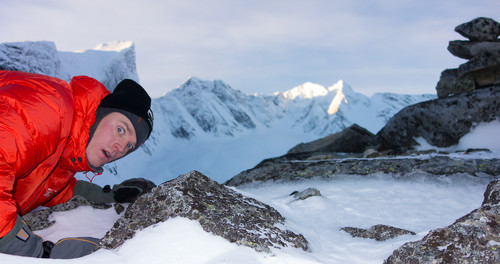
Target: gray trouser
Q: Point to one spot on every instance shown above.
(74, 247)
(21, 241)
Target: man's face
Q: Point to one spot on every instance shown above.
(113, 138)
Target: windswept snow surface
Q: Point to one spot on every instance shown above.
(420, 203)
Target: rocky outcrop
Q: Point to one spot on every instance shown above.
(42, 57)
(377, 232)
(353, 139)
(32, 56)
(219, 210)
(289, 170)
(474, 238)
(483, 52)
(441, 122)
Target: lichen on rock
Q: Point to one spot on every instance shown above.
(219, 210)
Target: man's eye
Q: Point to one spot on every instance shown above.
(130, 146)
(121, 130)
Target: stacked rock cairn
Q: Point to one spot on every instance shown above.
(482, 51)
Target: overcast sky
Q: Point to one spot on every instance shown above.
(261, 46)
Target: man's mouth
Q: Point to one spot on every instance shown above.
(106, 154)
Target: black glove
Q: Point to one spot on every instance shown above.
(93, 192)
(129, 190)
(21, 241)
(125, 192)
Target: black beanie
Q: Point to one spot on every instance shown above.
(130, 99)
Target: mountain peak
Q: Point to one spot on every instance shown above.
(339, 85)
(306, 90)
(114, 46)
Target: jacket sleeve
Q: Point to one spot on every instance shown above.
(8, 207)
(15, 146)
(28, 134)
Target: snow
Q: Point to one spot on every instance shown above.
(306, 90)
(482, 135)
(419, 204)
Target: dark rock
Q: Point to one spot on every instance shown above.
(492, 193)
(471, 150)
(377, 232)
(450, 84)
(399, 167)
(353, 139)
(470, 49)
(309, 192)
(474, 238)
(441, 122)
(485, 68)
(219, 210)
(38, 220)
(479, 29)
(483, 52)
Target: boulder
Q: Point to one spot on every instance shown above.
(470, 49)
(309, 192)
(485, 68)
(377, 232)
(479, 29)
(450, 84)
(353, 139)
(474, 238)
(441, 122)
(219, 210)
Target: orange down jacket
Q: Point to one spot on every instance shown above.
(44, 129)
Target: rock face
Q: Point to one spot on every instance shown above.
(219, 210)
(377, 232)
(36, 57)
(289, 170)
(474, 238)
(109, 63)
(442, 122)
(483, 52)
(352, 139)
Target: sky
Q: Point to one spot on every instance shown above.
(261, 46)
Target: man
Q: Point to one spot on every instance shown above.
(49, 130)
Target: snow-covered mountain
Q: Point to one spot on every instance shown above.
(201, 107)
(109, 62)
(210, 127)
(207, 125)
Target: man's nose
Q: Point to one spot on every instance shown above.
(120, 146)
